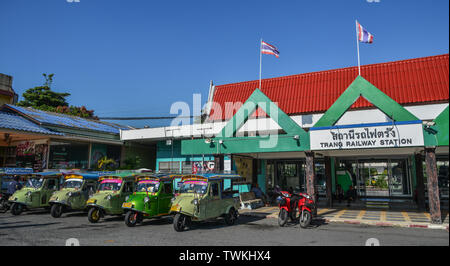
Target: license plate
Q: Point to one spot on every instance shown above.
(127, 205)
(91, 201)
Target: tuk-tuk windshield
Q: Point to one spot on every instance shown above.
(147, 186)
(34, 182)
(199, 187)
(73, 183)
(110, 185)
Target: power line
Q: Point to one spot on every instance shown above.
(146, 117)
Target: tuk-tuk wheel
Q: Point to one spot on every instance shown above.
(94, 215)
(231, 217)
(180, 222)
(16, 209)
(131, 218)
(56, 210)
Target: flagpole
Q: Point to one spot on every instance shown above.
(357, 45)
(260, 63)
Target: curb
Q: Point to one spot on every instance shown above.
(357, 222)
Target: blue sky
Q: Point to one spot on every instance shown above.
(137, 57)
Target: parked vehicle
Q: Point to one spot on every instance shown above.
(6, 177)
(110, 195)
(75, 191)
(36, 192)
(303, 211)
(151, 199)
(205, 197)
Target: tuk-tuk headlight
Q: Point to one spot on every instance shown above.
(28, 194)
(195, 201)
(172, 200)
(108, 197)
(127, 198)
(69, 194)
(146, 199)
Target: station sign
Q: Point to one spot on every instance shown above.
(366, 136)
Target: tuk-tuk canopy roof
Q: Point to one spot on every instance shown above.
(46, 174)
(212, 176)
(119, 176)
(93, 176)
(153, 176)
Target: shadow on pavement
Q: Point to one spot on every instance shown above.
(26, 225)
(18, 222)
(220, 223)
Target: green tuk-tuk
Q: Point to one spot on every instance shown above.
(111, 193)
(151, 199)
(36, 192)
(203, 197)
(75, 191)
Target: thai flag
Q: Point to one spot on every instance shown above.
(269, 49)
(363, 35)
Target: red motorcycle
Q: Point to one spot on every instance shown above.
(305, 207)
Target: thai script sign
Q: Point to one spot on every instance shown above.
(369, 136)
(16, 171)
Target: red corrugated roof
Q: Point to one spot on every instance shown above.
(412, 81)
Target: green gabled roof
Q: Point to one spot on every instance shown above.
(361, 87)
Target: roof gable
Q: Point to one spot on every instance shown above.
(360, 87)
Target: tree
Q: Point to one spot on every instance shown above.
(43, 98)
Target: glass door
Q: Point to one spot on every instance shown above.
(375, 176)
(399, 178)
(290, 174)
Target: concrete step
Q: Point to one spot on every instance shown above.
(377, 204)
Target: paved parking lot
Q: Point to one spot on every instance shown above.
(39, 228)
(363, 216)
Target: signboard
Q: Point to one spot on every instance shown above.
(16, 171)
(366, 136)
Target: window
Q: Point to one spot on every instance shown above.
(321, 180)
(51, 184)
(169, 166)
(90, 187)
(186, 167)
(128, 188)
(215, 189)
(167, 188)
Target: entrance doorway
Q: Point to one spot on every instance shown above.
(378, 177)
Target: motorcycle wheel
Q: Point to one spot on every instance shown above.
(180, 222)
(282, 217)
(231, 216)
(305, 219)
(56, 210)
(131, 218)
(16, 209)
(94, 215)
